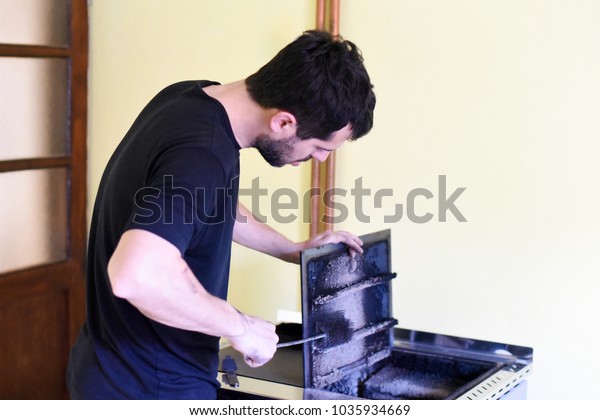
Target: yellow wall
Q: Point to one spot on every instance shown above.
(501, 97)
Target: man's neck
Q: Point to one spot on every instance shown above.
(246, 116)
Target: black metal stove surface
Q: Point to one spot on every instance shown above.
(285, 367)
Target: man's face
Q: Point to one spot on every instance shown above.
(291, 150)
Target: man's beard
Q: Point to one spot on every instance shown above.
(277, 152)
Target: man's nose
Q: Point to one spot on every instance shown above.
(321, 155)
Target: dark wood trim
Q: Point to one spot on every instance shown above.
(78, 178)
(28, 278)
(11, 50)
(37, 163)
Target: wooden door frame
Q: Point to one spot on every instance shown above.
(67, 275)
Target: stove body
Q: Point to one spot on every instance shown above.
(363, 355)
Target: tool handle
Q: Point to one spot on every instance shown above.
(302, 341)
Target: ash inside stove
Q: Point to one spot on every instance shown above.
(415, 376)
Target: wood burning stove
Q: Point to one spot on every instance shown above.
(371, 358)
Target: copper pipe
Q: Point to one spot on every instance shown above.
(334, 17)
(315, 181)
(315, 200)
(334, 27)
(320, 215)
(320, 15)
(329, 186)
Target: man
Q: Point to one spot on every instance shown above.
(166, 214)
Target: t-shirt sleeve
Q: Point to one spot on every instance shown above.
(180, 196)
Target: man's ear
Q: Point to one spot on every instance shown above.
(283, 124)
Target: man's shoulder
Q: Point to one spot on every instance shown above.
(186, 85)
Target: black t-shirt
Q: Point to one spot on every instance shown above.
(175, 174)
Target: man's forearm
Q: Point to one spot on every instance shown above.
(150, 273)
(261, 237)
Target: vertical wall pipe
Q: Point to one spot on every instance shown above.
(323, 174)
(315, 183)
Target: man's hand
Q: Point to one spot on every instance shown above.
(258, 343)
(330, 237)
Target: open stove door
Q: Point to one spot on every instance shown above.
(350, 293)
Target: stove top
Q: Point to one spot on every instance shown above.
(347, 301)
(424, 366)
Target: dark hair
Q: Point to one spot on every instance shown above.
(322, 81)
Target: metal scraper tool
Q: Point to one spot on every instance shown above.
(335, 331)
(302, 341)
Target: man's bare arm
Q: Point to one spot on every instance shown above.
(150, 273)
(259, 236)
